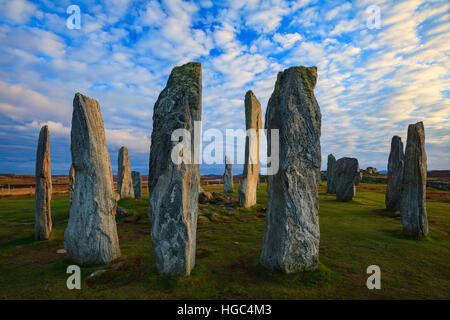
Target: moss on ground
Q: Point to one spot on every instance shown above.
(354, 235)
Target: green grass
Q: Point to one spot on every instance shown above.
(354, 235)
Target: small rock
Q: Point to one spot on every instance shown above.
(96, 273)
(204, 196)
(61, 251)
(117, 266)
(122, 213)
(235, 242)
(203, 219)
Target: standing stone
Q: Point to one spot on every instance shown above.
(228, 176)
(291, 239)
(91, 234)
(71, 183)
(331, 182)
(413, 205)
(124, 181)
(174, 187)
(43, 192)
(136, 177)
(347, 176)
(250, 177)
(395, 174)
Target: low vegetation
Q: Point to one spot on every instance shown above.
(354, 235)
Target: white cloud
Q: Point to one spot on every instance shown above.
(17, 11)
(287, 40)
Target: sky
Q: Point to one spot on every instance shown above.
(373, 79)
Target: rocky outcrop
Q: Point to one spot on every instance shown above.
(347, 175)
(395, 174)
(331, 183)
(371, 170)
(124, 181)
(174, 187)
(250, 177)
(136, 177)
(291, 239)
(71, 187)
(228, 176)
(91, 234)
(122, 213)
(413, 199)
(43, 193)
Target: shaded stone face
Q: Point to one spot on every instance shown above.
(371, 170)
(347, 175)
(91, 234)
(124, 181)
(413, 199)
(71, 183)
(136, 177)
(174, 187)
(228, 176)
(291, 239)
(249, 182)
(43, 194)
(395, 174)
(331, 183)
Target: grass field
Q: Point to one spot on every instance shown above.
(354, 235)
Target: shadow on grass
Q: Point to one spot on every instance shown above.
(20, 242)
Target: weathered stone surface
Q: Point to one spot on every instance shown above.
(249, 182)
(43, 193)
(413, 199)
(331, 182)
(91, 234)
(228, 176)
(395, 174)
(124, 181)
(71, 183)
(174, 188)
(291, 239)
(136, 177)
(204, 196)
(347, 175)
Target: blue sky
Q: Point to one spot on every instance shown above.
(372, 82)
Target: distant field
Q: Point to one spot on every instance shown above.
(354, 235)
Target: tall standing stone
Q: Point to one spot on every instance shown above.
(43, 192)
(91, 234)
(136, 177)
(413, 200)
(291, 239)
(347, 176)
(71, 187)
(395, 174)
(174, 187)
(124, 181)
(228, 176)
(331, 183)
(253, 122)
